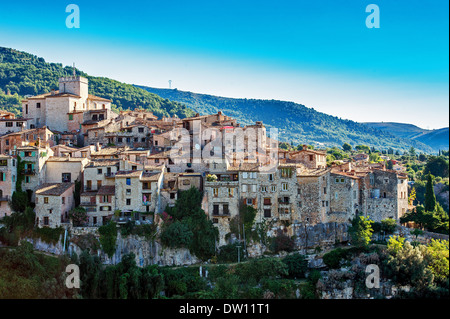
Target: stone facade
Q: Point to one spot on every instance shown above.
(8, 177)
(53, 204)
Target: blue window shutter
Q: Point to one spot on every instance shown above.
(22, 154)
(33, 153)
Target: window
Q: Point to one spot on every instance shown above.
(38, 105)
(9, 124)
(4, 163)
(267, 201)
(27, 179)
(63, 200)
(94, 220)
(267, 213)
(270, 177)
(119, 140)
(66, 177)
(172, 195)
(128, 181)
(299, 204)
(225, 209)
(141, 130)
(249, 201)
(324, 190)
(128, 201)
(335, 195)
(215, 192)
(26, 108)
(284, 186)
(264, 189)
(215, 209)
(311, 158)
(70, 117)
(273, 188)
(45, 200)
(244, 188)
(128, 191)
(230, 192)
(254, 188)
(46, 221)
(99, 171)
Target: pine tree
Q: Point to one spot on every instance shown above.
(430, 197)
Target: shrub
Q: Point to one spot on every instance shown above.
(282, 242)
(108, 237)
(177, 235)
(229, 253)
(333, 258)
(297, 265)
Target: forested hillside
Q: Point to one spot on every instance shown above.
(297, 123)
(24, 74)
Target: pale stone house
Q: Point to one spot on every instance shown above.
(63, 110)
(53, 204)
(8, 178)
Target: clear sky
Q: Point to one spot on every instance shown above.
(318, 53)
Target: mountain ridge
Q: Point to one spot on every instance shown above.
(292, 119)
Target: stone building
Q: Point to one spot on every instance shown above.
(344, 197)
(53, 204)
(64, 169)
(34, 159)
(42, 137)
(8, 178)
(62, 110)
(313, 195)
(10, 124)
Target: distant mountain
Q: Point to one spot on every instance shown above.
(296, 123)
(437, 139)
(24, 74)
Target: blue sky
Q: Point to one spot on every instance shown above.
(318, 53)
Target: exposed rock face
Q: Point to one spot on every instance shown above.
(320, 235)
(146, 251)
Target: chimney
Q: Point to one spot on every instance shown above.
(53, 92)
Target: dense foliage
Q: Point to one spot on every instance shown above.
(187, 225)
(24, 74)
(26, 274)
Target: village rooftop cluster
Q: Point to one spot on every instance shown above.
(132, 165)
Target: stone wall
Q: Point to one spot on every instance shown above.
(320, 235)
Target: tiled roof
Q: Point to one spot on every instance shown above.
(53, 189)
(107, 190)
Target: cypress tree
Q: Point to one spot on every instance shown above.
(430, 197)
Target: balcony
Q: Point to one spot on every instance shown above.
(28, 172)
(110, 175)
(4, 198)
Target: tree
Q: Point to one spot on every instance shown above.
(389, 164)
(437, 166)
(361, 230)
(297, 265)
(79, 216)
(430, 198)
(347, 147)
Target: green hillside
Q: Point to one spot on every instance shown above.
(296, 123)
(437, 139)
(24, 74)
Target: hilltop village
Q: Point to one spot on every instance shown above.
(132, 165)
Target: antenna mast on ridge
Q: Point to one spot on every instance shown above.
(170, 84)
(73, 68)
